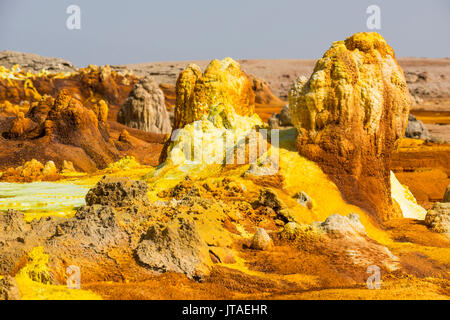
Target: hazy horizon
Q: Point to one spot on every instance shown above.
(116, 33)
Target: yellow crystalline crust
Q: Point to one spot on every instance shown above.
(350, 70)
(222, 83)
(33, 283)
(208, 135)
(15, 73)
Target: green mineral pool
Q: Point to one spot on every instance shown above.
(38, 199)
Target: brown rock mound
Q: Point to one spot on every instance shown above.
(145, 108)
(438, 218)
(263, 92)
(9, 289)
(177, 247)
(89, 85)
(65, 121)
(20, 126)
(350, 114)
(118, 192)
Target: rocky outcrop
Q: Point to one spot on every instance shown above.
(19, 127)
(337, 226)
(261, 240)
(350, 115)
(282, 119)
(438, 218)
(87, 239)
(118, 192)
(32, 171)
(13, 223)
(416, 129)
(101, 111)
(263, 93)
(93, 225)
(90, 85)
(210, 106)
(222, 84)
(268, 198)
(33, 62)
(65, 120)
(145, 109)
(69, 122)
(303, 199)
(447, 195)
(177, 247)
(9, 289)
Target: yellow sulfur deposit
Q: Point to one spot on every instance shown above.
(19, 79)
(222, 84)
(349, 82)
(126, 163)
(33, 281)
(205, 141)
(16, 73)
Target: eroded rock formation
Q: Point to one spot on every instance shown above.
(210, 106)
(66, 121)
(438, 218)
(261, 240)
(263, 92)
(33, 62)
(177, 247)
(223, 83)
(350, 115)
(32, 171)
(282, 119)
(89, 85)
(416, 129)
(145, 109)
(118, 192)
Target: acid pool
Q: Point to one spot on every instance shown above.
(38, 199)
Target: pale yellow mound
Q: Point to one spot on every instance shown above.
(406, 200)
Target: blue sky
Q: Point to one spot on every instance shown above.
(121, 32)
